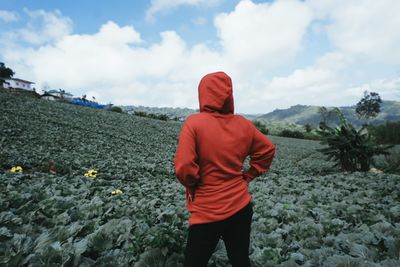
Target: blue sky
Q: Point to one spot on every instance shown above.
(153, 53)
(89, 15)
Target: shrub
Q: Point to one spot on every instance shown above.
(261, 127)
(116, 109)
(162, 117)
(140, 113)
(388, 133)
(390, 163)
(292, 134)
(352, 149)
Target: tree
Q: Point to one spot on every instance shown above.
(5, 73)
(323, 111)
(291, 134)
(116, 109)
(369, 106)
(260, 126)
(326, 115)
(308, 127)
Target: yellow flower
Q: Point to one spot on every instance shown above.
(116, 192)
(16, 169)
(91, 173)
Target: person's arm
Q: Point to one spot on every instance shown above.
(185, 161)
(261, 154)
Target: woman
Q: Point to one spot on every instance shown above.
(212, 147)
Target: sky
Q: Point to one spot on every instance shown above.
(154, 52)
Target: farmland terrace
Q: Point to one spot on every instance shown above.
(306, 212)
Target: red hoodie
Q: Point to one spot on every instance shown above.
(212, 147)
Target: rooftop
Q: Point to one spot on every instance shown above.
(19, 80)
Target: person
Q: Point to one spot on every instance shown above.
(212, 147)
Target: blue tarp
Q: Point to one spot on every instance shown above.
(88, 104)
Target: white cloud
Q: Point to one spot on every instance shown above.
(327, 82)
(8, 16)
(313, 85)
(262, 35)
(44, 27)
(116, 64)
(388, 88)
(106, 57)
(368, 28)
(113, 63)
(163, 6)
(111, 34)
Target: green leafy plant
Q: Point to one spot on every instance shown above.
(5, 72)
(352, 149)
(261, 126)
(390, 163)
(308, 127)
(388, 133)
(327, 115)
(292, 134)
(313, 215)
(116, 109)
(369, 105)
(162, 117)
(3, 156)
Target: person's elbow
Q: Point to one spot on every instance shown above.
(268, 156)
(270, 151)
(179, 169)
(186, 172)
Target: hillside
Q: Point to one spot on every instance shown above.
(298, 114)
(51, 214)
(301, 114)
(171, 112)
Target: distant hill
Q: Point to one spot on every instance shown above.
(173, 112)
(298, 114)
(170, 112)
(301, 114)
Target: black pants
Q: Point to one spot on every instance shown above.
(235, 232)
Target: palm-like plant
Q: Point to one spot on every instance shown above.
(352, 149)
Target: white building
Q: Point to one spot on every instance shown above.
(60, 94)
(15, 83)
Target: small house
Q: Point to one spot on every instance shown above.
(15, 83)
(56, 95)
(49, 96)
(61, 94)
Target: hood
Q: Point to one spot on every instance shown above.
(215, 93)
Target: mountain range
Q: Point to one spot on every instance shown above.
(298, 114)
(302, 114)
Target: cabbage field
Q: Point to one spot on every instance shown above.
(97, 188)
